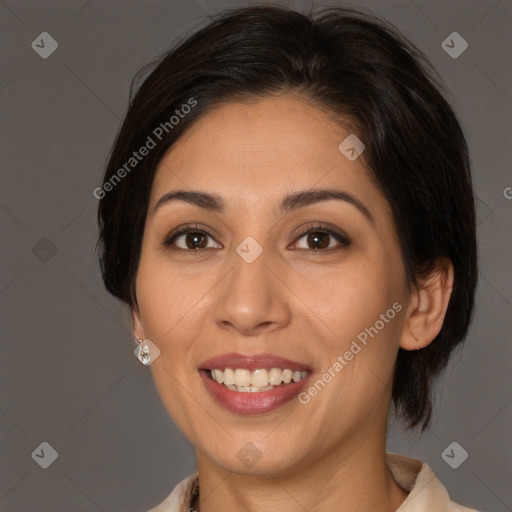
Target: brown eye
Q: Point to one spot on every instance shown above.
(189, 239)
(195, 240)
(319, 238)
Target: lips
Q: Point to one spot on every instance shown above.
(252, 403)
(253, 362)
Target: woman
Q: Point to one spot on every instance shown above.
(288, 212)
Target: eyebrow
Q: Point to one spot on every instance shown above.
(293, 201)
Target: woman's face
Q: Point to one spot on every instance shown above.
(330, 302)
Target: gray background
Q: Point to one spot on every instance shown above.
(67, 371)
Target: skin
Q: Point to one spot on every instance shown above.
(293, 301)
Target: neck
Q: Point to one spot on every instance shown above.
(341, 480)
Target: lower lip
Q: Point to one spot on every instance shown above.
(252, 402)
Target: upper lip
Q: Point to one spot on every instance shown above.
(251, 362)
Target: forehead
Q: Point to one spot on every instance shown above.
(261, 149)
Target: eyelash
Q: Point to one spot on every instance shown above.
(319, 227)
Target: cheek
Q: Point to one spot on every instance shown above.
(170, 305)
(361, 295)
(169, 301)
(365, 311)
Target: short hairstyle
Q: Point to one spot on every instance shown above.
(362, 71)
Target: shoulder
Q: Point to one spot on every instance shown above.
(180, 498)
(426, 492)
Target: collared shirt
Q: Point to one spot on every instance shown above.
(426, 492)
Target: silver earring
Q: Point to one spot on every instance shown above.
(142, 352)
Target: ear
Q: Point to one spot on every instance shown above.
(427, 307)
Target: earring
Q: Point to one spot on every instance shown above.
(142, 352)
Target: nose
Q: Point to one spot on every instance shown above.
(251, 299)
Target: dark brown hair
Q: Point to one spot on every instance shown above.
(356, 67)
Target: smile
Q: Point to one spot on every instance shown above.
(262, 379)
(253, 384)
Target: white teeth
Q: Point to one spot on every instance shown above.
(243, 380)
(253, 389)
(219, 376)
(287, 376)
(275, 376)
(229, 377)
(242, 377)
(259, 378)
